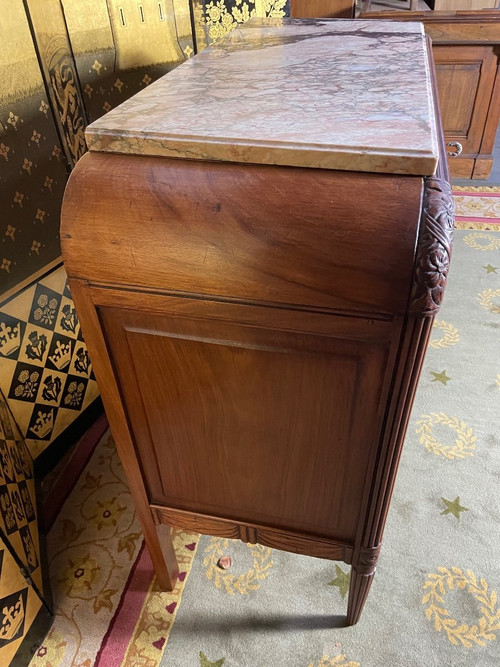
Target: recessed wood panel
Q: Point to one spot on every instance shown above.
(464, 4)
(458, 82)
(322, 8)
(251, 423)
(465, 79)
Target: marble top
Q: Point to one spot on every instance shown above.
(335, 94)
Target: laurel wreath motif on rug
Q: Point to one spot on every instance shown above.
(486, 300)
(472, 241)
(232, 583)
(464, 442)
(439, 584)
(450, 335)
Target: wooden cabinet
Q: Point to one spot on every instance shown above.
(466, 79)
(327, 8)
(464, 4)
(258, 310)
(466, 49)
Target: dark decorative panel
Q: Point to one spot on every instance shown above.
(121, 46)
(24, 618)
(32, 167)
(45, 370)
(23, 575)
(59, 72)
(18, 515)
(24, 612)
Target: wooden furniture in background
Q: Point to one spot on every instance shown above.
(258, 330)
(465, 4)
(366, 5)
(322, 8)
(466, 49)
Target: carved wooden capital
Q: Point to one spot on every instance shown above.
(434, 247)
(367, 560)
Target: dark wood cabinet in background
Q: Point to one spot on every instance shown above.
(340, 9)
(466, 49)
(469, 90)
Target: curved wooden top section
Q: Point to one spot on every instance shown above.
(331, 94)
(306, 238)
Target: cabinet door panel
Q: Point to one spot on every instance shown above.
(252, 423)
(465, 77)
(458, 81)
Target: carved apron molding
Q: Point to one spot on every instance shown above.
(434, 247)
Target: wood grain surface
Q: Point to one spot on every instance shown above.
(239, 417)
(322, 9)
(300, 245)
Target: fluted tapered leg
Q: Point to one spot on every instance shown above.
(362, 572)
(358, 592)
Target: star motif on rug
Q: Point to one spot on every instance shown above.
(440, 377)
(490, 269)
(205, 662)
(454, 507)
(341, 581)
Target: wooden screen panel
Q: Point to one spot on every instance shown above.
(216, 408)
(465, 76)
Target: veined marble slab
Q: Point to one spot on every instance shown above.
(334, 94)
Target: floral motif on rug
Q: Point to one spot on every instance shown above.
(106, 599)
(477, 207)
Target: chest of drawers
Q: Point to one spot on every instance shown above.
(257, 245)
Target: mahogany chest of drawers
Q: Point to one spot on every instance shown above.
(256, 245)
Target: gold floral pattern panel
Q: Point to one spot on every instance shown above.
(121, 46)
(213, 19)
(45, 370)
(33, 172)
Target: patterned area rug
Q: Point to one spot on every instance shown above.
(434, 599)
(477, 207)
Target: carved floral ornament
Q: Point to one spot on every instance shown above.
(434, 247)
